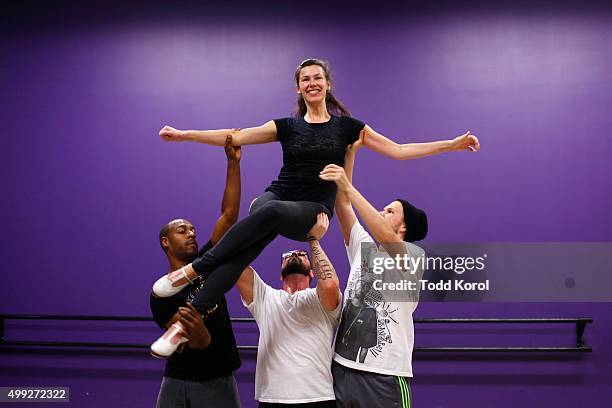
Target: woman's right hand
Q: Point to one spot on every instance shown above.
(170, 134)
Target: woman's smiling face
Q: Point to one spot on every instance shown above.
(312, 83)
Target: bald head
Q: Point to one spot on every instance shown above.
(178, 239)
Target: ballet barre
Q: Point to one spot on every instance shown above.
(580, 326)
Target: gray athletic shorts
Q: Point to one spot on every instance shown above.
(363, 389)
(219, 392)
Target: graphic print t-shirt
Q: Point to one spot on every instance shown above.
(374, 335)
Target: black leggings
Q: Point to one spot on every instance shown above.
(222, 265)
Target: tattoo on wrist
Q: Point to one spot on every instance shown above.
(321, 266)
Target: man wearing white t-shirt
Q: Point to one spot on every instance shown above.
(296, 327)
(373, 351)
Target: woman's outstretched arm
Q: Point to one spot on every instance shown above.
(265, 133)
(380, 144)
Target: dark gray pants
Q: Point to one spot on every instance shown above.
(363, 389)
(219, 392)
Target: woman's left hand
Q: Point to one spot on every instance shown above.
(466, 141)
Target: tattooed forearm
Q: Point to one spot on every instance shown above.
(321, 266)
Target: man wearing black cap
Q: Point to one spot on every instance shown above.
(373, 353)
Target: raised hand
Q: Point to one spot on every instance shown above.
(232, 152)
(320, 228)
(335, 173)
(352, 149)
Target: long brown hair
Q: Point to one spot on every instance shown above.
(333, 105)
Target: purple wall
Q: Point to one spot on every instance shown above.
(88, 182)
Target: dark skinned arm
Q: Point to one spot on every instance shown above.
(197, 333)
(230, 205)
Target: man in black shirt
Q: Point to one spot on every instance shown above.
(201, 374)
